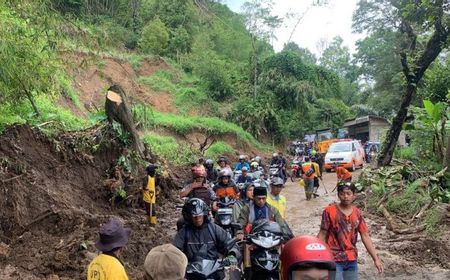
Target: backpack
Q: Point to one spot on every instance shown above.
(310, 171)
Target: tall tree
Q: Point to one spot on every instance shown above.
(380, 71)
(261, 24)
(423, 28)
(306, 55)
(337, 57)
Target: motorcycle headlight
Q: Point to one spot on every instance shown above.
(267, 260)
(225, 220)
(266, 242)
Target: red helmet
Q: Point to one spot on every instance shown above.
(305, 252)
(198, 172)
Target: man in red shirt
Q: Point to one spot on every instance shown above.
(343, 174)
(339, 228)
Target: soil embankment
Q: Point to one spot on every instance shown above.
(423, 259)
(53, 202)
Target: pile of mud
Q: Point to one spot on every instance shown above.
(53, 203)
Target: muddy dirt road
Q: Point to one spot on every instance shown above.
(304, 218)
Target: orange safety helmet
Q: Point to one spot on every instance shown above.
(305, 252)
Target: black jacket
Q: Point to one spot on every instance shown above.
(205, 242)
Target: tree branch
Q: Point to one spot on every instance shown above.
(433, 48)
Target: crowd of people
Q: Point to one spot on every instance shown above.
(256, 196)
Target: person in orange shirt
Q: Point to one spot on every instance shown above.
(343, 174)
(341, 223)
(308, 172)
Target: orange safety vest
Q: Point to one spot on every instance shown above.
(226, 192)
(305, 168)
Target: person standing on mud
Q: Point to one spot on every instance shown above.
(308, 177)
(343, 174)
(150, 187)
(112, 238)
(341, 223)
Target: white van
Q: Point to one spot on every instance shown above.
(346, 153)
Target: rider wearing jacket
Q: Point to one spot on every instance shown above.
(198, 188)
(242, 163)
(211, 173)
(246, 196)
(225, 187)
(244, 177)
(260, 209)
(201, 238)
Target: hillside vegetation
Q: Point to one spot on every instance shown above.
(192, 66)
(207, 47)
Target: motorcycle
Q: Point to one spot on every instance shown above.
(295, 170)
(236, 174)
(224, 215)
(275, 171)
(204, 269)
(264, 241)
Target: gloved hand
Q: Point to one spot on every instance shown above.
(231, 260)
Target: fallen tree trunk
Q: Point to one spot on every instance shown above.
(414, 237)
(117, 108)
(394, 227)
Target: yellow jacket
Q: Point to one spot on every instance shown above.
(150, 188)
(105, 267)
(280, 204)
(316, 169)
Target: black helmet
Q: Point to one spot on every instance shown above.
(194, 207)
(209, 162)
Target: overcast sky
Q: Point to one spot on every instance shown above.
(319, 23)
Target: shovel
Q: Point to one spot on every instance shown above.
(323, 184)
(151, 204)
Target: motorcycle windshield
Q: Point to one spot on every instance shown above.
(203, 267)
(266, 241)
(261, 226)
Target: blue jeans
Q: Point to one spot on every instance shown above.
(346, 270)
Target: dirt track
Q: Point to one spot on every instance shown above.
(304, 218)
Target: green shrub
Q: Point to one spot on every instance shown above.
(160, 81)
(215, 126)
(433, 220)
(408, 153)
(143, 116)
(217, 149)
(66, 84)
(168, 148)
(154, 37)
(409, 202)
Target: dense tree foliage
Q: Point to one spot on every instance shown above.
(27, 61)
(281, 95)
(419, 31)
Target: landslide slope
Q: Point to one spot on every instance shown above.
(53, 201)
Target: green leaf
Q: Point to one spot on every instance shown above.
(429, 107)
